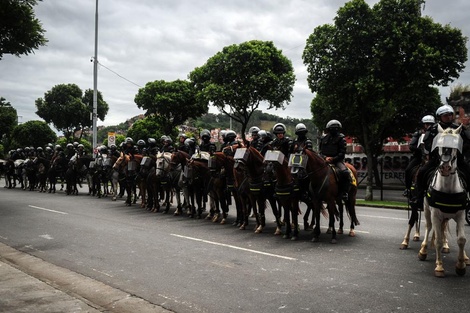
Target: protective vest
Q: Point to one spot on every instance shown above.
(332, 146)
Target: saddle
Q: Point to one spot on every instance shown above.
(336, 172)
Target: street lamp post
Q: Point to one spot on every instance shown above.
(95, 83)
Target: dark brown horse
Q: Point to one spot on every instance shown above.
(130, 165)
(324, 188)
(197, 175)
(221, 168)
(286, 192)
(249, 172)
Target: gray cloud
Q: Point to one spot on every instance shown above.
(149, 40)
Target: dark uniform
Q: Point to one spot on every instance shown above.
(333, 145)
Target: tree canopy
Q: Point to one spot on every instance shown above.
(170, 103)
(239, 78)
(374, 69)
(32, 133)
(147, 128)
(8, 118)
(67, 109)
(20, 31)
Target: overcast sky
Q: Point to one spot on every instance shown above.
(148, 40)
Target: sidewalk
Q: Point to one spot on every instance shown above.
(29, 284)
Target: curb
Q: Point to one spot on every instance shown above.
(96, 294)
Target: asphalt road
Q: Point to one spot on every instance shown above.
(188, 265)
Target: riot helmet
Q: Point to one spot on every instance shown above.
(301, 129)
(279, 128)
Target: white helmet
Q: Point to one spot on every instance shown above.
(300, 128)
(445, 109)
(279, 128)
(253, 130)
(333, 124)
(428, 119)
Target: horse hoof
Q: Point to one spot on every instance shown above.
(223, 221)
(460, 271)
(259, 230)
(340, 231)
(439, 274)
(422, 257)
(445, 250)
(416, 238)
(242, 227)
(176, 213)
(403, 247)
(277, 232)
(215, 218)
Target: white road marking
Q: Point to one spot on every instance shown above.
(49, 210)
(384, 217)
(46, 236)
(235, 247)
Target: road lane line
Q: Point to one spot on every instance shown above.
(49, 210)
(384, 217)
(235, 247)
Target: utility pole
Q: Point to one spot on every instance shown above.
(95, 83)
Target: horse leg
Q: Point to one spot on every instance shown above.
(273, 204)
(445, 241)
(287, 212)
(438, 231)
(316, 212)
(295, 219)
(423, 251)
(331, 225)
(167, 199)
(462, 259)
(411, 222)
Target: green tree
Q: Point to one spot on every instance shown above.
(374, 69)
(8, 118)
(32, 133)
(148, 128)
(102, 108)
(20, 31)
(68, 109)
(239, 78)
(170, 103)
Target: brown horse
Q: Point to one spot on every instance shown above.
(248, 172)
(287, 195)
(197, 175)
(221, 167)
(324, 188)
(130, 165)
(180, 159)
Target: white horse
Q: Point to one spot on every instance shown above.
(445, 200)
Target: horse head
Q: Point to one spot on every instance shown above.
(163, 163)
(449, 143)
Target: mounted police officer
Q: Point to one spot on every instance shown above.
(445, 116)
(426, 122)
(129, 147)
(333, 149)
(254, 130)
(230, 142)
(70, 151)
(167, 145)
(206, 144)
(190, 143)
(152, 146)
(113, 151)
(140, 146)
(302, 141)
(281, 142)
(265, 139)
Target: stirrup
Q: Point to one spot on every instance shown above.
(345, 196)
